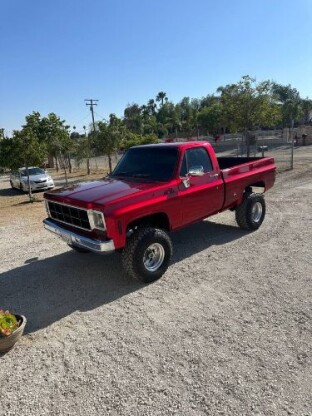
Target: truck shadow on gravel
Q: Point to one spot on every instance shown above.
(201, 236)
(48, 290)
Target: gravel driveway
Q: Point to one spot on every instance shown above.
(226, 331)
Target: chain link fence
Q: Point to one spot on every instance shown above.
(270, 143)
(273, 143)
(97, 164)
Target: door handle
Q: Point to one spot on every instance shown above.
(215, 175)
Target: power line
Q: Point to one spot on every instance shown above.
(100, 116)
(91, 102)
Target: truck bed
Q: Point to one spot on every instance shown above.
(230, 162)
(238, 165)
(241, 172)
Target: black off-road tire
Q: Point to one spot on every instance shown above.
(251, 212)
(137, 250)
(79, 249)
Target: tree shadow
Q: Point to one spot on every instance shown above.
(10, 192)
(47, 290)
(17, 192)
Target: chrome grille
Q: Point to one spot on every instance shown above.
(69, 215)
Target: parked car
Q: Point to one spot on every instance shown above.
(39, 179)
(153, 190)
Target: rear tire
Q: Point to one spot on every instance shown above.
(147, 254)
(251, 212)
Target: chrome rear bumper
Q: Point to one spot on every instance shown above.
(74, 239)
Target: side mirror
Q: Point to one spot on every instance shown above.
(196, 171)
(186, 182)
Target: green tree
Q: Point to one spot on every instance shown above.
(133, 118)
(188, 110)
(168, 118)
(246, 105)
(58, 140)
(306, 108)
(109, 137)
(210, 118)
(8, 153)
(289, 100)
(26, 151)
(52, 131)
(132, 139)
(151, 106)
(150, 125)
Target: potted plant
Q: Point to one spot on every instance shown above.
(11, 329)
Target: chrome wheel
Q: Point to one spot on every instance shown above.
(153, 257)
(256, 212)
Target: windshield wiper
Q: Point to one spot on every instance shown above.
(120, 174)
(141, 175)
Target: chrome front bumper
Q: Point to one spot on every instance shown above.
(74, 239)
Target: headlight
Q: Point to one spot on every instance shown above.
(97, 220)
(47, 207)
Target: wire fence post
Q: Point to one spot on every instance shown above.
(292, 145)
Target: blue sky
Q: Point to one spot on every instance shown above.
(54, 54)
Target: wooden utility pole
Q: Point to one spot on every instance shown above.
(90, 102)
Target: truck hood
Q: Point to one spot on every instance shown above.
(100, 192)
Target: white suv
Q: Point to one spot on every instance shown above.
(39, 179)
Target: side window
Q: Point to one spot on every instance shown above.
(199, 157)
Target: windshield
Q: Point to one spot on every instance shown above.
(32, 171)
(152, 163)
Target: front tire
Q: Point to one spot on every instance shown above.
(22, 188)
(251, 212)
(147, 254)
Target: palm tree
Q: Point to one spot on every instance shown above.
(161, 96)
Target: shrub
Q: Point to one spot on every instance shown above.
(8, 323)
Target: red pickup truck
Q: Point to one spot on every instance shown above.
(156, 189)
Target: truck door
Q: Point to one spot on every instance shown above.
(203, 195)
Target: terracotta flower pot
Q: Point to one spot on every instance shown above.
(6, 343)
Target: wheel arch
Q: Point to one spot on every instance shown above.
(156, 220)
(258, 185)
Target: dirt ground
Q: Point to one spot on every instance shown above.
(226, 331)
